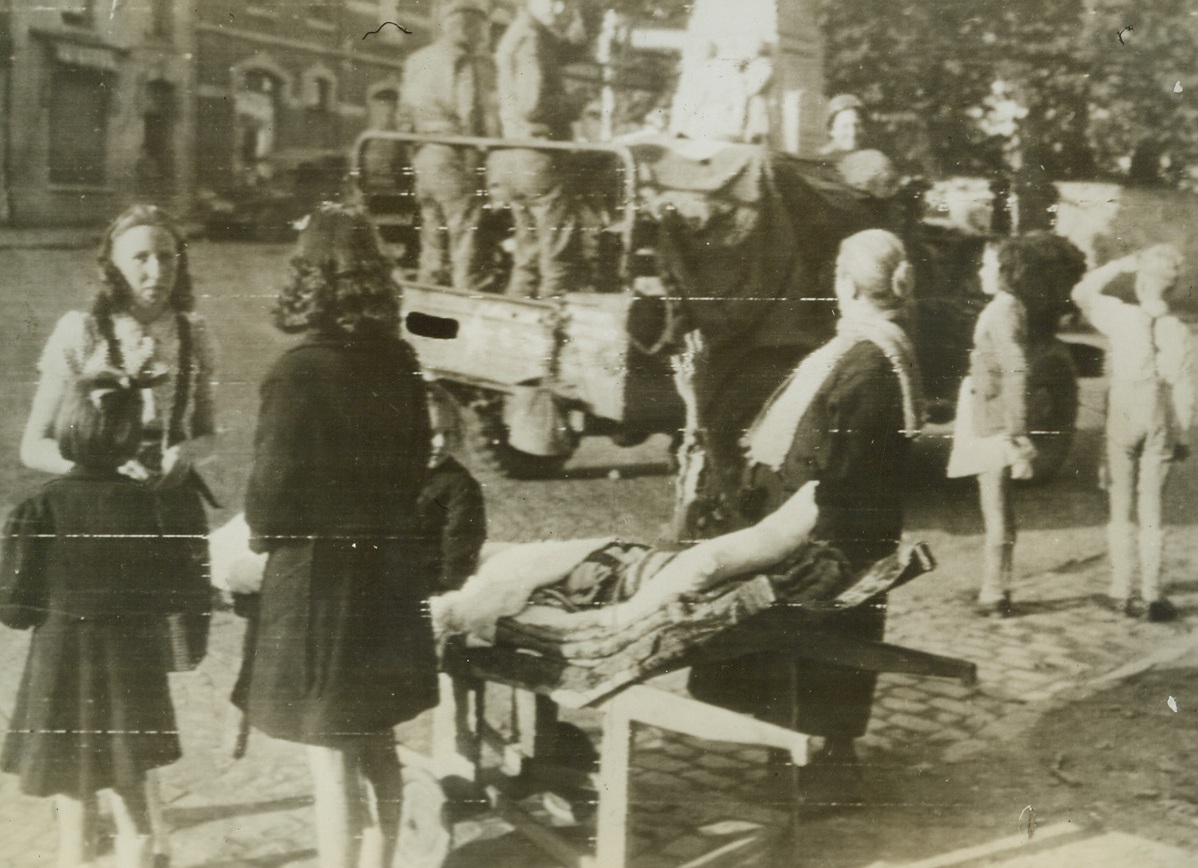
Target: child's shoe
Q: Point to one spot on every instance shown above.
(1161, 611)
(998, 608)
(1131, 607)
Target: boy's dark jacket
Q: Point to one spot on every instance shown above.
(453, 525)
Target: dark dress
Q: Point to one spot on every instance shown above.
(344, 644)
(85, 567)
(453, 524)
(850, 439)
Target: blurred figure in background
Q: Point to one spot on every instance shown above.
(846, 125)
(865, 168)
(727, 71)
(449, 90)
(534, 104)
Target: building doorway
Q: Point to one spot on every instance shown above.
(155, 181)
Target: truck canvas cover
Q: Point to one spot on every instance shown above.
(748, 236)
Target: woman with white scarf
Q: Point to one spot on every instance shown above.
(844, 418)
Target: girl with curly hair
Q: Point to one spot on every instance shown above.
(1028, 279)
(344, 648)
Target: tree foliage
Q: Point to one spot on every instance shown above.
(1097, 78)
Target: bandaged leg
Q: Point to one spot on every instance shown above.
(507, 580)
(773, 539)
(504, 583)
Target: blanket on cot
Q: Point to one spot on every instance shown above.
(598, 658)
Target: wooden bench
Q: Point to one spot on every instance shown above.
(464, 739)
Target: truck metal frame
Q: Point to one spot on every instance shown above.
(535, 375)
(601, 354)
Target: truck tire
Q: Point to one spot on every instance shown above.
(1052, 403)
(487, 440)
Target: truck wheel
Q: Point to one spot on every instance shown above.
(487, 439)
(1052, 402)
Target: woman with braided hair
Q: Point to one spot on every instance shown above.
(141, 321)
(142, 324)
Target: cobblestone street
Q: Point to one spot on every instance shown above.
(686, 794)
(1070, 716)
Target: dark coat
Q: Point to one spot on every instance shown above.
(90, 544)
(344, 645)
(453, 524)
(87, 566)
(851, 440)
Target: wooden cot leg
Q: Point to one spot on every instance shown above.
(794, 778)
(456, 731)
(611, 834)
(534, 722)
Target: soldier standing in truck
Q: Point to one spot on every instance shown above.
(449, 90)
(534, 104)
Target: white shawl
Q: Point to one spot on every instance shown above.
(769, 438)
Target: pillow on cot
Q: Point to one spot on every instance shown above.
(236, 569)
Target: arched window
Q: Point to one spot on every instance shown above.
(382, 108)
(258, 91)
(319, 89)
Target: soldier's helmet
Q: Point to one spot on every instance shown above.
(480, 6)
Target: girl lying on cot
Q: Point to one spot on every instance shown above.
(602, 581)
(618, 583)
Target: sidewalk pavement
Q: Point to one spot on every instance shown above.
(66, 237)
(1061, 649)
(49, 237)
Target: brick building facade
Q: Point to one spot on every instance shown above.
(274, 77)
(95, 108)
(104, 104)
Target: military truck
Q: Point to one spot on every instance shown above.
(534, 376)
(732, 241)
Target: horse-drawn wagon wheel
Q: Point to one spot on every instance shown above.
(1052, 402)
